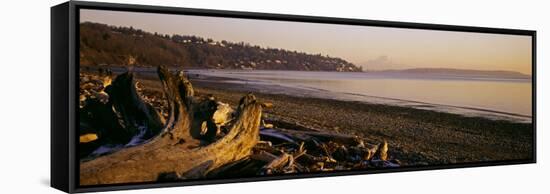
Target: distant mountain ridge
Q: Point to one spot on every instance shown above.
(459, 72)
(101, 44)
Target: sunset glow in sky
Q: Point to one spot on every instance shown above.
(374, 48)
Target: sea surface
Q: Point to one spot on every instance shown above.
(485, 96)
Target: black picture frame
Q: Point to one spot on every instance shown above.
(64, 90)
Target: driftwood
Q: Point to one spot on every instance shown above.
(278, 163)
(383, 151)
(299, 151)
(179, 152)
(131, 110)
(201, 137)
(115, 114)
(313, 151)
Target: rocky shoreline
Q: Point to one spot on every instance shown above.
(416, 137)
(208, 130)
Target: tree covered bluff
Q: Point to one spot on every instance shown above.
(101, 44)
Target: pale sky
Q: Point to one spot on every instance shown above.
(374, 48)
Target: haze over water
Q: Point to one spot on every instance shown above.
(485, 96)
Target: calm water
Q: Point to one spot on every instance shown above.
(477, 96)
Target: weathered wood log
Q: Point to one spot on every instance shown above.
(222, 116)
(264, 156)
(175, 152)
(300, 152)
(278, 163)
(117, 115)
(203, 126)
(243, 168)
(293, 136)
(131, 110)
(383, 151)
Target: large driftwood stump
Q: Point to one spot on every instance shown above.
(115, 115)
(175, 150)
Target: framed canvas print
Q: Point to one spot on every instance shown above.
(149, 96)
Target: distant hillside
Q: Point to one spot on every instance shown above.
(101, 44)
(460, 72)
